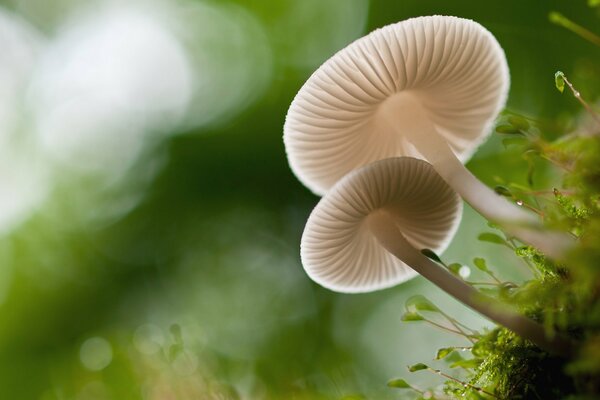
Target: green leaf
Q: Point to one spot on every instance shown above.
(491, 238)
(454, 357)
(519, 140)
(411, 317)
(519, 122)
(420, 303)
(593, 3)
(493, 225)
(480, 264)
(399, 383)
(430, 254)
(417, 367)
(508, 130)
(466, 363)
(454, 268)
(442, 353)
(559, 81)
(503, 191)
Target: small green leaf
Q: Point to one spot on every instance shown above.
(517, 141)
(442, 353)
(508, 130)
(491, 238)
(411, 317)
(420, 303)
(417, 367)
(454, 357)
(493, 225)
(466, 363)
(431, 254)
(399, 383)
(480, 264)
(454, 268)
(519, 122)
(559, 79)
(503, 191)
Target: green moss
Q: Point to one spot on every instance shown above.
(564, 297)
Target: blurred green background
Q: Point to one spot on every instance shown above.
(150, 224)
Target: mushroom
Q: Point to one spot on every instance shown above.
(365, 233)
(427, 87)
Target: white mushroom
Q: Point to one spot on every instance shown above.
(365, 234)
(427, 87)
(405, 188)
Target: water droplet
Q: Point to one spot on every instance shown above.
(464, 272)
(519, 202)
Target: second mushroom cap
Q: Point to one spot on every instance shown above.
(339, 251)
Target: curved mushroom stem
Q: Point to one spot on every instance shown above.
(516, 221)
(423, 135)
(390, 237)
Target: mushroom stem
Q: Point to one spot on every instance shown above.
(424, 136)
(390, 237)
(515, 220)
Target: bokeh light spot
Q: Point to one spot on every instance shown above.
(96, 353)
(106, 81)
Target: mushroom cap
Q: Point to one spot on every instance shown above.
(451, 70)
(338, 249)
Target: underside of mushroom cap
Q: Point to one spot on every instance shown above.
(451, 69)
(339, 251)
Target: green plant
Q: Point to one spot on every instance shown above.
(565, 296)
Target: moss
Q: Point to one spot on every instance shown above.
(564, 297)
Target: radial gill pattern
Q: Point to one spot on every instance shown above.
(339, 251)
(453, 68)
